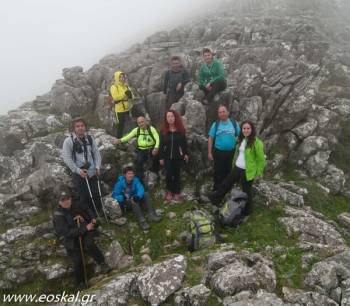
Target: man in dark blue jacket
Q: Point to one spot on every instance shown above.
(128, 191)
(66, 221)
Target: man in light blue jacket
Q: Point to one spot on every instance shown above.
(129, 192)
(81, 155)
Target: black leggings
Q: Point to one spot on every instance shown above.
(236, 175)
(173, 170)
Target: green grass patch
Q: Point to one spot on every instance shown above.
(39, 218)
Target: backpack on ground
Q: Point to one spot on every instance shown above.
(202, 230)
(232, 212)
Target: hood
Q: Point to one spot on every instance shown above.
(116, 77)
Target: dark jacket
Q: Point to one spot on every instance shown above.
(121, 188)
(173, 146)
(66, 227)
(172, 78)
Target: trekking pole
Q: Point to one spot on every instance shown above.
(82, 256)
(131, 251)
(102, 202)
(91, 197)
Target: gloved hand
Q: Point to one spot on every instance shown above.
(128, 94)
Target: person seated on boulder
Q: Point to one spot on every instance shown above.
(69, 225)
(249, 164)
(129, 193)
(211, 81)
(175, 80)
(173, 153)
(121, 98)
(147, 140)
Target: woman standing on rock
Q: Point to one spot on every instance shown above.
(121, 97)
(249, 164)
(172, 153)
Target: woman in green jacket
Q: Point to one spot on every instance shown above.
(249, 164)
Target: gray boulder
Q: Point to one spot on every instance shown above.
(156, 283)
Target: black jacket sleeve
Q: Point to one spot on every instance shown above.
(161, 146)
(185, 78)
(166, 81)
(62, 228)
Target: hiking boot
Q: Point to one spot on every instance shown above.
(153, 217)
(144, 226)
(168, 196)
(105, 268)
(177, 198)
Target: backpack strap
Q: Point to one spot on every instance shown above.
(149, 130)
(89, 137)
(217, 122)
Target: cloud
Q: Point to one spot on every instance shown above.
(40, 37)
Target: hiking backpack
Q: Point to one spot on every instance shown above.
(231, 213)
(149, 133)
(202, 230)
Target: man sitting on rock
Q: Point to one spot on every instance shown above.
(147, 140)
(129, 193)
(211, 81)
(175, 80)
(69, 225)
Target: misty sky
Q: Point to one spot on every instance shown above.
(41, 37)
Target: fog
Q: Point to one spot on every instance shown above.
(41, 37)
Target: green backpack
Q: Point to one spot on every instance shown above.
(202, 230)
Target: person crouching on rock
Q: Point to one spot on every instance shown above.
(130, 193)
(172, 153)
(249, 164)
(211, 81)
(70, 227)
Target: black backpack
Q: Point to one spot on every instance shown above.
(89, 137)
(232, 212)
(217, 122)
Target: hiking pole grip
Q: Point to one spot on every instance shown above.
(82, 255)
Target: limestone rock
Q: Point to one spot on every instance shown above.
(159, 281)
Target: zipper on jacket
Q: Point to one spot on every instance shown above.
(172, 141)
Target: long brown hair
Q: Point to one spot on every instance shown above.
(251, 138)
(178, 123)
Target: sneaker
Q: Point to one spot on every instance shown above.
(168, 196)
(177, 198)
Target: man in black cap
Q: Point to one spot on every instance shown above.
(66, 221)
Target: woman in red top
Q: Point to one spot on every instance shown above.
(172, 153)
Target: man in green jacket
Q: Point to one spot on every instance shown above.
(147, 141)
(211, 81)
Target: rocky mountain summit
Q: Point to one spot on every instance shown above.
(288, 69)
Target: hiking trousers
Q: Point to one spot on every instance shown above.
(84, 195)
(89, 248)
(235, 176)
(142, 158)
(222, 165)
(172, 173)
(121, 119)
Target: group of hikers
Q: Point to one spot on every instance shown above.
(75, 223)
